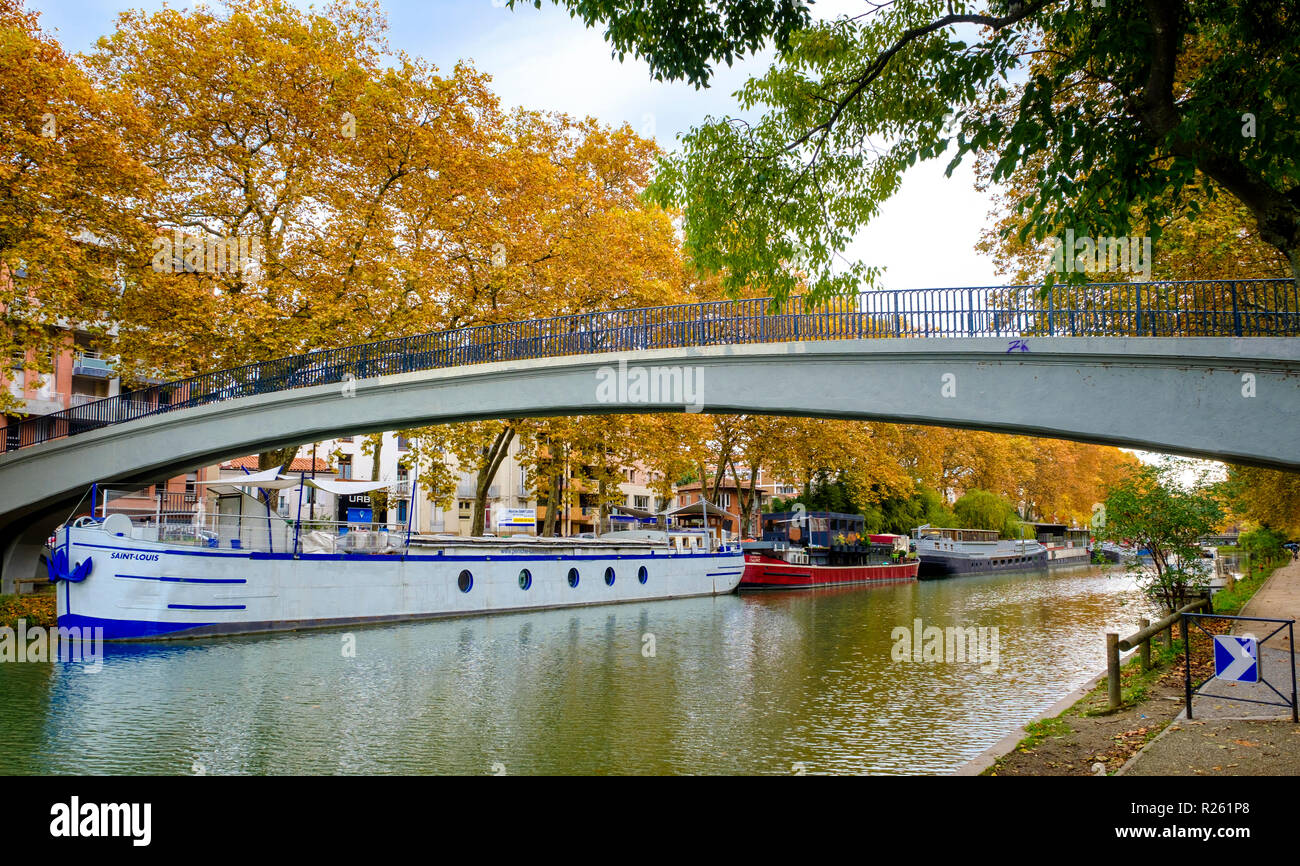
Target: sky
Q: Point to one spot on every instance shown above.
(543, 59)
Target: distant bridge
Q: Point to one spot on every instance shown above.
(1192, 368)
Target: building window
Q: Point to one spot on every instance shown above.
(642, 502)
(403, 444)
(345, 467)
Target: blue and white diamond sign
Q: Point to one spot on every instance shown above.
(1236, 659)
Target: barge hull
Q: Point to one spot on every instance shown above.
(143, 590)
(763, 573)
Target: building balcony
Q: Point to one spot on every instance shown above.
(92, 364)
(469, 489)
(83, 399)
(44, 404)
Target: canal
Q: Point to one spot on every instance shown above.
(756, 683)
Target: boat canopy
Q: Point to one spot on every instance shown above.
(271, 479)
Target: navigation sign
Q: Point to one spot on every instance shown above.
(1236, 659)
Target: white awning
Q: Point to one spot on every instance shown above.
(346, 488)
(252, 479)
(269, 479)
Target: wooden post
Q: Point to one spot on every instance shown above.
(1146, 645)
(1112, 669)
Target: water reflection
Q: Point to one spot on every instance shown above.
(738, 684)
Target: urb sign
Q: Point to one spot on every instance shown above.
(1236, 659)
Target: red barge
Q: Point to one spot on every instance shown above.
(801, 550)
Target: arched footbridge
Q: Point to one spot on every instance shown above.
(1209, 369)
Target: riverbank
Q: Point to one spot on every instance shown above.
(1086, 738)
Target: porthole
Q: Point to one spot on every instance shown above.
(573, 578)
(609, 576)
(525, 579)
(642, 575)
(465, 581)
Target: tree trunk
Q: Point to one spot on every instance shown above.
(552, 507)
(276, 458)
(488, 471)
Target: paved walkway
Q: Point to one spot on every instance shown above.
(1231, 737)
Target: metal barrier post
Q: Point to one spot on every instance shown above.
(1295, 705)
(1112, 669)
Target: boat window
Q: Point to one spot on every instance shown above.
(609, 576)
(525, 579)
(642, 575)
(465, 581)
(573, 577)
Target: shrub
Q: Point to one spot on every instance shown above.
(35, 609)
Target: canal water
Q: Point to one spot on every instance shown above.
(799, 682)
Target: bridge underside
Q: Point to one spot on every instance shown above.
(1223, 398)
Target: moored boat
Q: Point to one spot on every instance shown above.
(249, 570)
(945, 552)
(1066, 545)
(844, 555)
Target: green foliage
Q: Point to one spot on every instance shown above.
(1264, 544)
(1186, 92)
(898, 515)
(1153, 509)
(1042, 729)
(982, 509)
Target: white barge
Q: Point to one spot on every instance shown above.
(249, 570)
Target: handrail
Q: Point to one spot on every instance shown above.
(1141, 639)
(1200, 308)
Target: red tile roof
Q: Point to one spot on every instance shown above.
(299, 464)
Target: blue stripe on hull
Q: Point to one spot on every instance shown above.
(122, 629)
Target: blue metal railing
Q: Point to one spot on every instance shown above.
(1242, 308)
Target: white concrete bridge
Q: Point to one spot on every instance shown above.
(1222, 397)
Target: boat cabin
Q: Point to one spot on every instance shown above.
(938, 533)
(1061, 535)
(813, 528)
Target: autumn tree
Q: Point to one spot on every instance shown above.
(1264, 497)
(71, 188)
